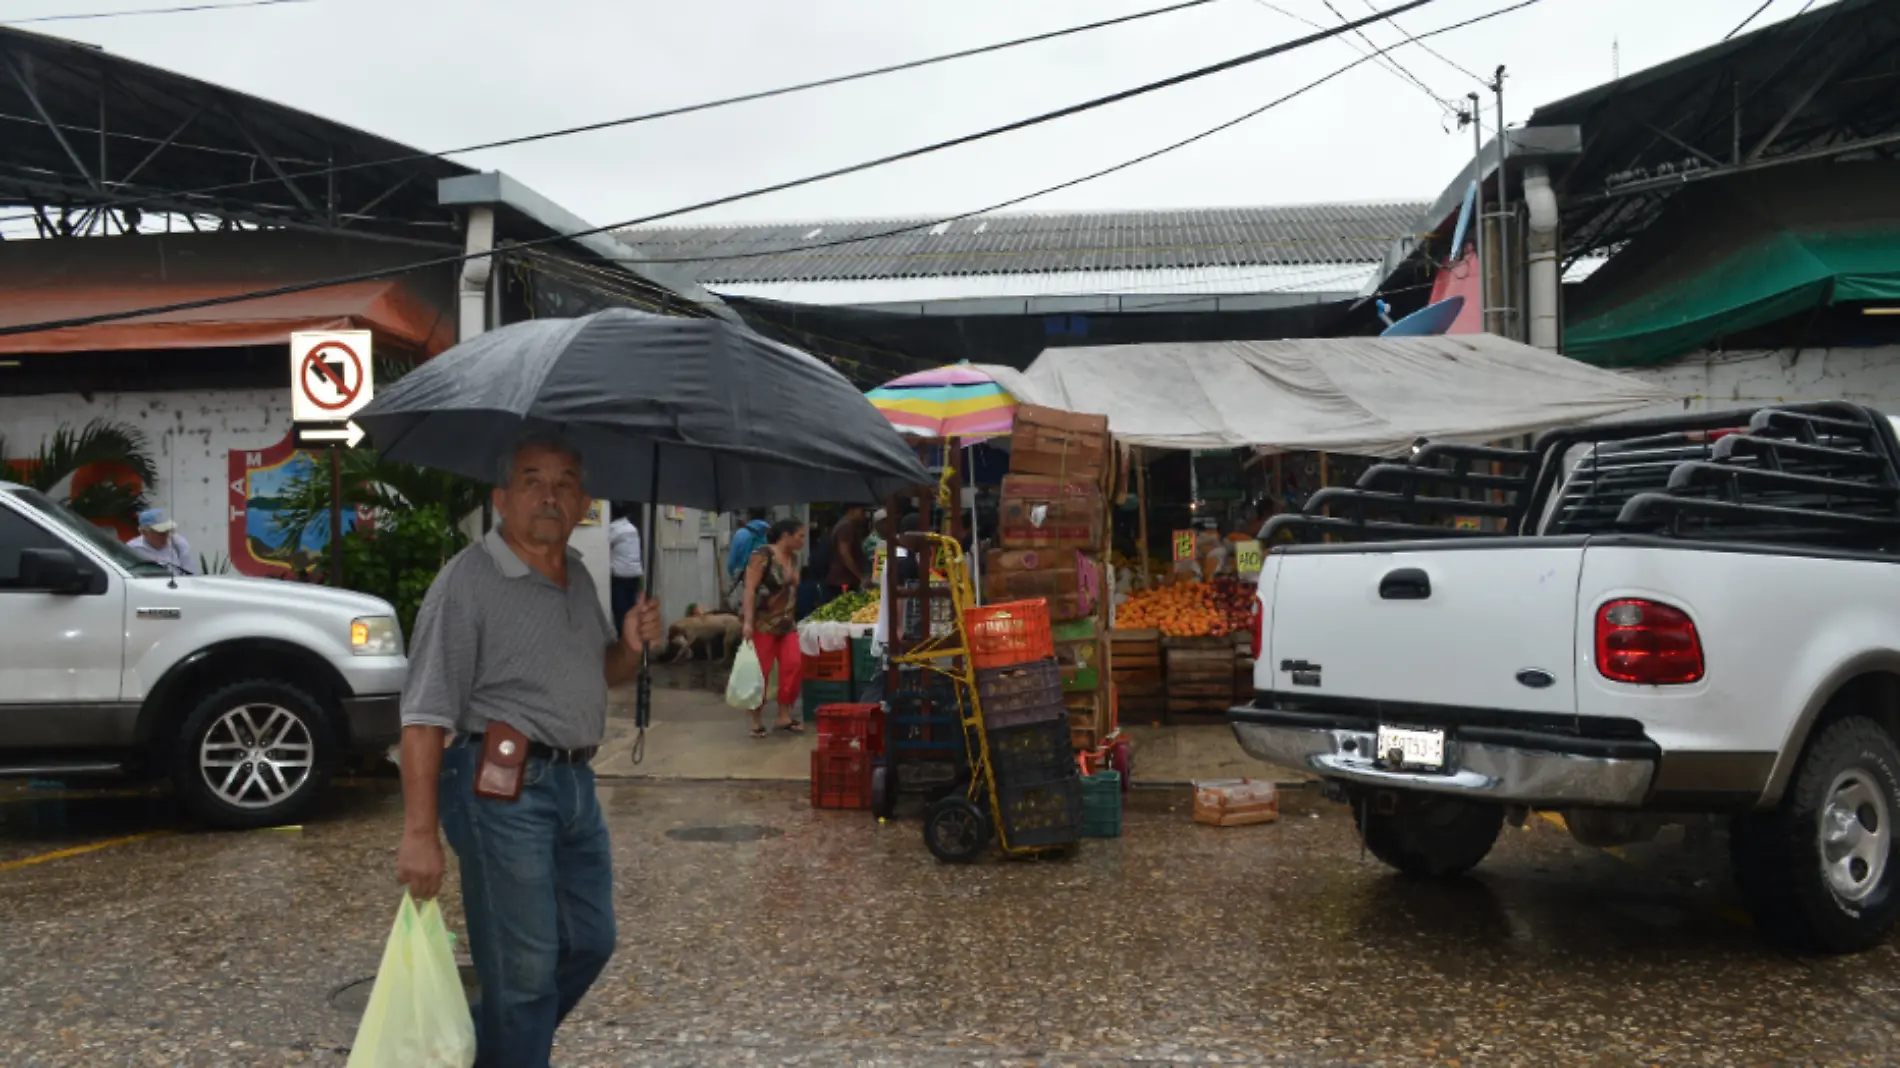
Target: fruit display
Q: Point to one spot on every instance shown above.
(1235, 597)
(1190, 609)
(844, 608)
(867, 614)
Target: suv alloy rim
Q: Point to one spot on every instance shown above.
(256, 755)
(1856, 835)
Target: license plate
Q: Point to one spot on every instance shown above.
(1416, 749)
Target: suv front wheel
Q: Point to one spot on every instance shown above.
(253, 754)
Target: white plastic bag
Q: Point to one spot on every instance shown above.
(417, 1015)
(745, 689)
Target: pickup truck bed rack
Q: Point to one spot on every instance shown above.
(1819, 474)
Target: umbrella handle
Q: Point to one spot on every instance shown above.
(642, 706)
(643, 701)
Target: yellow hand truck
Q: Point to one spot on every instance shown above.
(959, 826)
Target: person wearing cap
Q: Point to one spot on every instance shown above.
(160, 542)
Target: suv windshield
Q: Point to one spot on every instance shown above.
(73, 523)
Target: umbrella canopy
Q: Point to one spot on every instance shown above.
(958, 401)
(699, 413)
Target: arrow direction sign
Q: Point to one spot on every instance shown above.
(348, 435)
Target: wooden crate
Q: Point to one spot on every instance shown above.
(1088, 719)
(1199, 661)
(1136, 648)
(1139, 682)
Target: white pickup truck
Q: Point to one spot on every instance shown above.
(1689, 615)
(247, 692)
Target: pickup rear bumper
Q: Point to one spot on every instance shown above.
(1491, 763)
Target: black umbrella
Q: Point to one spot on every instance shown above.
(699, 413)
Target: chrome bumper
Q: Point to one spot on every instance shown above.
(1516, 774)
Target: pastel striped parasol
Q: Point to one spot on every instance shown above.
(957, 401)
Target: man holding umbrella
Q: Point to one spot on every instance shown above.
(505, 707)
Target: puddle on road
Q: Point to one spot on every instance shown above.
(726, 834)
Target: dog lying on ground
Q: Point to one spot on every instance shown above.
(694, 637)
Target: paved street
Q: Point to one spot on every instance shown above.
(831, 939)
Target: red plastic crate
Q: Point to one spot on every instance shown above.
(853, 728)
(828, 667)
(1005, 635)
(840, 779)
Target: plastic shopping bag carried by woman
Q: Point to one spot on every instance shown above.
(745, 688)
(418, 1015)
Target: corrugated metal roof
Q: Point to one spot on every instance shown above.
(1158, 288)
(1019, 244)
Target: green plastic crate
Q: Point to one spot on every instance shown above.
(864, 666)
(819, 694)
(1081, 680)
(1102, 805)
(1074, 630)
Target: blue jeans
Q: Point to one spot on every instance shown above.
(538, 888)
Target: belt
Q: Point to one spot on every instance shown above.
(540, 751)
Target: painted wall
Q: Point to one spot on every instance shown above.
(1717, 380)
(190, 435)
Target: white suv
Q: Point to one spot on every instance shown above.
(247, 692)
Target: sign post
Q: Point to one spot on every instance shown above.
(332, 377)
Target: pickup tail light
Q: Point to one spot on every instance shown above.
(1648, 643)
(1259, 629)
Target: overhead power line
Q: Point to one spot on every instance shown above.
(1430, 51)
(363, 276)
(1105, 171)
(1753, 15)
(1444, 104)
(664, 113)
(150, 11)
(1386, 63)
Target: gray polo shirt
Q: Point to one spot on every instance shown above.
(497, 640)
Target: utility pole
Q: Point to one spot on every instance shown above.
(336, 517)
(1475, 118)
(1507, 313)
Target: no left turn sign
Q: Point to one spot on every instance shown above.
(331, 376)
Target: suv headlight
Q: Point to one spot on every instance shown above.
(375, 636)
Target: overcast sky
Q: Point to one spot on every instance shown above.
(442, 73)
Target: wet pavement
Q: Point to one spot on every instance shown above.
(757, 931)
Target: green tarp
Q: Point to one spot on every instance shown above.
(1780, 277)
(1739, 253)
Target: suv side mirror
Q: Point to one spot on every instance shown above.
(52, 570)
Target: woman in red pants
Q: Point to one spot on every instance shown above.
(770, 619)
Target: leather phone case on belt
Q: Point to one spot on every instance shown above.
(498, 771)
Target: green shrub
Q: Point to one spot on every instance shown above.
(399, 558)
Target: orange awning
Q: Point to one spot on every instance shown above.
(387, 308)
(47, 280)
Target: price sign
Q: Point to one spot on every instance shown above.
(1183, 546)
(1248, 557)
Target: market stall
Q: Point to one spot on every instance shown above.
(1239, 431)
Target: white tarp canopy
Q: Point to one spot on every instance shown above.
(1368, 396)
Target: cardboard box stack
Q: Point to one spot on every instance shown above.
(1055, 537)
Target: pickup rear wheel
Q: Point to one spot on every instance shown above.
(1820, 872)
(1427, 835)
(253, 754)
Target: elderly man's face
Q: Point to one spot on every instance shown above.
(157, 539)
(542, 503)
